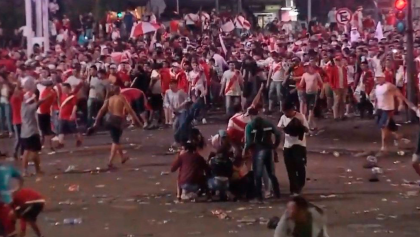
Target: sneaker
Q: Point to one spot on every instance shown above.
(204, 121)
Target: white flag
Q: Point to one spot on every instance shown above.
(228, 27)
(223, 44)
(379, 33)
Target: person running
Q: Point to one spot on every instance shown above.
(28, 204)
(232, 84)
(31, 141)
(67, 116)
(115, 107)
(16, 104)
(294, 125)
(258, 136)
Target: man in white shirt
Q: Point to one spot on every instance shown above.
(295, 126)
(276, 76)
(385, 94)
(220, 61)
(96, 97)
(232, 84)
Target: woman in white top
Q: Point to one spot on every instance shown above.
(172, 102)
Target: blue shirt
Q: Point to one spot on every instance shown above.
(6, 173)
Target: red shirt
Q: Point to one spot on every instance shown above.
(123, 75)
(174, 26)
(131, 94)
(165, 79)
(25, 196)
(16, 103)
(67, 104)
(192, 168)
(45, 107)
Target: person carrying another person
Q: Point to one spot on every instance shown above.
(138, 101)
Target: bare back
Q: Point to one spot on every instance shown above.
(117, 105)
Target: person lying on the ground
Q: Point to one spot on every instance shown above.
(302, 219)
(28, 204)
(183, 124)
(193, 172)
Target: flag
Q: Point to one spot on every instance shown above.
(379, 33)
(228, 26)
(242, 23)
(223, 44)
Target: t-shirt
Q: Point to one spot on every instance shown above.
(289, 141)
(191, 18)
(75, 84)
(196, 80)
(16, 103)
(26, 196)
(173, 99)
(97, 88)
(44, 92)
(278, 71)
(232, 81)
(67, 104)
(131, 94)
(156, 86)
(385, 96)
(29, 121)
(6, 173)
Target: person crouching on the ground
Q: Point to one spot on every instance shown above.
(258, 135)
(294, 125)
(28, 204)
(301, 219)
(221, 167)
(193, 171)
(174, 98)
(385, 93)
(138, 101)
(183, 124)
(31, 140)
(115, 106)
(7, 217)
(67, 116)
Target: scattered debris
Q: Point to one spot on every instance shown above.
(72, 221)
(328, 196)
(222, 215)
(74, 188)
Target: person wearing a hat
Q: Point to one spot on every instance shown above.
(31, 140)
(385, 94)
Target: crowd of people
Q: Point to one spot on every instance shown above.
(171, 77)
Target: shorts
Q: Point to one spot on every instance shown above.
(301, 95)
(32, 143)
(116, 134)
(310, 99)
(30, 211)
(44, 122)
(67, 127)
(138, 105)
(156, 102)
(384, 120)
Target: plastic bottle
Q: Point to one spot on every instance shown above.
(72, 221)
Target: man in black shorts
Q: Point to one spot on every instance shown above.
(31, 141)
(46, 90)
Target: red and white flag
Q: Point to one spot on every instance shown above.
(228, 27)
(242, 23)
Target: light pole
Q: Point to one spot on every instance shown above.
(411, 94)
(28, 28)
(217, 6)
(46, 25)
(177, 6)
(309, 10)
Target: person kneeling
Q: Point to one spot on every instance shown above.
(193, 171)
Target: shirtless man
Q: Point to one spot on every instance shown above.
(116, 106)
